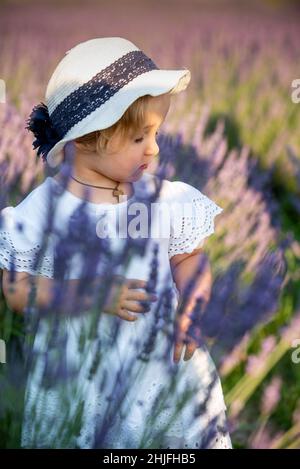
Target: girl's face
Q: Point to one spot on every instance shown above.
(125, 164)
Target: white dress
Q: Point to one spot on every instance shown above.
(148, 410)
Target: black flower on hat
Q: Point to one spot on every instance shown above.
(40, 124)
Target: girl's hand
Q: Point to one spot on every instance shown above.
(124, 297)
(182, 324)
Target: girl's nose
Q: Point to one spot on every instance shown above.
(152, 150)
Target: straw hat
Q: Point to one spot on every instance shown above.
(91, 88)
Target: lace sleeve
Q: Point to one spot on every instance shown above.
(20, 244)
(192, 218)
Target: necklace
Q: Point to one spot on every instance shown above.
(116, 192)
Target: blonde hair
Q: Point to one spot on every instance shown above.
(127, 126)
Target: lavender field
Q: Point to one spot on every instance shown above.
(233, 134)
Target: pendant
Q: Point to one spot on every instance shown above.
(117, 192)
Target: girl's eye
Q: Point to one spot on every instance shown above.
(139, 140)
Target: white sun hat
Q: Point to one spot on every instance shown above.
(91, 88)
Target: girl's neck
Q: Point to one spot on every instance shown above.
(91, 176)
(97, 195)
(85, 171)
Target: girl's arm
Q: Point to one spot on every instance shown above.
(123, 298)
(17, 292)
(184, 267)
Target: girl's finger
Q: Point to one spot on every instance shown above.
(177, 351)
(123, 314)
(136, 283)
(133, 306)
(189, 351)
(140, 296)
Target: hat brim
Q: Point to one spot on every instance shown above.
(154, 83)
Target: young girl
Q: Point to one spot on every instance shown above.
(108, 99)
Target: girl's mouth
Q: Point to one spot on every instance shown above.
(144, 166)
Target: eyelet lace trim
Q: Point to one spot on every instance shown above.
(23, 259)
(194, 228)
(94, 93)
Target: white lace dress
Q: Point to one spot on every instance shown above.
(155, 411)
